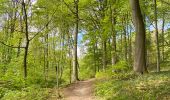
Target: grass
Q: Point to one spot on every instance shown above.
(127, 86)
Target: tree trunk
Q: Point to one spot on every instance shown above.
(139, 60)
(75, 64)
(21, 29)
(121, 42)
(157, 39)
(98, 61)
(27, 39)
(113, 23)
(46, 53)
(25, 59)
(163, 27)
(70, 55)
(104, 55)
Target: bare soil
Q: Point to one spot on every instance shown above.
(81, 90)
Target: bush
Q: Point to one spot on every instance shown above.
(114, 71)
(121, 66)
(86, 70)
(104, 74)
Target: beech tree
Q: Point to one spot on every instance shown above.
(157, 37)
(139, 57)
(75, 60)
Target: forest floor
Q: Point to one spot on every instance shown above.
(128, 86)
(82, 90)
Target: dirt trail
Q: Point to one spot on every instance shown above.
(82, 90)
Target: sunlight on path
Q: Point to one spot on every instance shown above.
(82, 90)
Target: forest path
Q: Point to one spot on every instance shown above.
(82, 90)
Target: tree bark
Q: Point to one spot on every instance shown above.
(113, 23)
(27, 39)
(104, 55)
(163, 27)
(157, 38)
(139, 60)
(75, 64)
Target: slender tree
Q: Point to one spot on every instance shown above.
(113, 31)
(26, 36)
(157, 37)
(75, 61)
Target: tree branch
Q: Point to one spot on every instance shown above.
(11, 46)
(68, 7)
(165, 2)
(43, 27)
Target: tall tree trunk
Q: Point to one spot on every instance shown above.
(104, 55)
(148, 50)
(25, 59)
(121, 42)
(157, 38)
(57, 79)
(146, 47)
(163, 27)
(103, 5)
(113, 24)
(70, 55)
(98, 61)
(75, 64)
(62, 54)
(21, 29)
(46, 49)
(27, 39)
(139, 61)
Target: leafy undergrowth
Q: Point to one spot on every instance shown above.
(35, 87)
(29, 93)
(127, 86)
(18, 89)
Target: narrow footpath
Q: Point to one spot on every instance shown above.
(82, 90)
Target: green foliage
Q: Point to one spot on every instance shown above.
(106, 74)
(29, 93)
(121, 66)
(86, 73)
(87, 70)
(13, 75)
(114, 71)
(14, 87)
(2, 91)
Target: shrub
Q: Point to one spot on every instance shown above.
(121, 66)
(114, 71)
